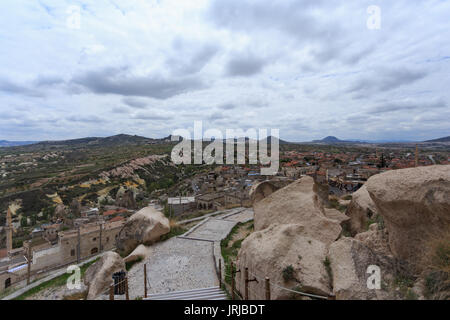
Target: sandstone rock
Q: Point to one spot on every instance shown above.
(349, 262)
(415, 206)
(360, 209)
(141, 252)
(261, 190)
(60, 211)
(336, 215)
(126, 199)
(144, 227)
(75, 208)
(297, 203)
(73, 294)
(344, 202)
(322, 192)
(375, 238)
(268, 252)
(98, 276)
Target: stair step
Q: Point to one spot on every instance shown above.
(187, 292)
(214, 296)
(212, 293)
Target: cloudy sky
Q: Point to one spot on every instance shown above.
(310, 68)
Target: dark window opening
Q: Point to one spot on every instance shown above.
(8, 283)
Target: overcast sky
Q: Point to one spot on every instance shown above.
(310, 68)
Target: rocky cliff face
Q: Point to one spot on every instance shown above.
(415, 206)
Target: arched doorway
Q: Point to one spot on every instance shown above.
(8, 283)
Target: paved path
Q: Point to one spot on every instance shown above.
(186, 262)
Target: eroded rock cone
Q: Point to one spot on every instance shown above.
(61, 211)
(126, 199)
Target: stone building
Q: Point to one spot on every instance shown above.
(93, 239)
(180, 205)
(51, 232)
(240, 198)
(12, 269)
(210, 201)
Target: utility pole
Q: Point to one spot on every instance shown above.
(9, 230)
(78, 245)
(101, 229)
(182, 207)
(29, 257)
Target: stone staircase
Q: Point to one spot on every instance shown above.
(213, 293)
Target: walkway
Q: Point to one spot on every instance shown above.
(186, 262)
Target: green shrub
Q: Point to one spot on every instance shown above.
(130, 264)
(327, 264)
(288, 273)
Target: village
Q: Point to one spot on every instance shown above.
(66, 241)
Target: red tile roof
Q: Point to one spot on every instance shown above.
(118, 218)
(111, 212)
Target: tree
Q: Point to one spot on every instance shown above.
(382, 163)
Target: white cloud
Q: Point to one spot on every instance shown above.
(309, 67)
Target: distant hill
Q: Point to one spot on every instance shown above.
(269, 139)
(331, 140)
(334, 140)
(445, 139)
(6, 143)
(106, 141)
(113, 141)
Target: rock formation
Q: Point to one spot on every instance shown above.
(297, 203)
(350, 260)
(415, 206)
(75, 208)
(126, 199)
(261, 190)
(61, 211)
(292, 234)
(141, 252)
(296, 235)
(98, 276)
(360, 210)
(144, 227)
(273, 251)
